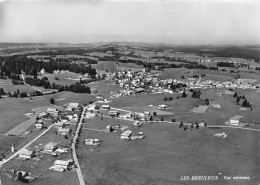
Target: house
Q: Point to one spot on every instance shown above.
(105, 106)
(50, 147)
(113, 113)
(126, 134)
(137, 123)
(64, 131)
(63, 164)
(73, 106)
(234, 121)
(41, 114)
(162, 106)
(146, 113)
(38, 126)
(59, 125)
(52, 110)
(25, 153)
(92, 142)
(139, 90)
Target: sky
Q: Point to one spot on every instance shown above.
(187, 22)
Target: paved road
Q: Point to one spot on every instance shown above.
(28, 144)
(74, 154)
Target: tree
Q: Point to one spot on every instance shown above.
(184, 95)
(207, 101)
(197, 125)
(173, 120)
(165, 99)
(235, 95)
(181, 124)
(170, 98)
(154, 113)
(52, 101)
(182, 77)
(162, 119)
(245, 103)
(23, 95)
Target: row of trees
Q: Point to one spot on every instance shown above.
(225, 64)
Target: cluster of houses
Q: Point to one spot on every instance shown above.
(62, 120)
(139, 82)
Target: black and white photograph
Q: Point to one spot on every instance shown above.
(130, 92)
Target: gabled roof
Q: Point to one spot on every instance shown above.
(25, 152)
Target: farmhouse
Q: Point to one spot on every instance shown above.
(73, 106)
(92, 142)
(38, 126)
(63, 164)
(52, 110)
(234, 121)
(113, 113)
(137, 123)
(25, 153)
(126, 134)
(162, 106)
(64, 131)
(105, 106)
(139, 90)
(50, 147)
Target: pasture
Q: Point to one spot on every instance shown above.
(200, 109)
(105, 65)
(6, 142)
(167, 153)
(63, 78)
(103, 87)
(8, 87)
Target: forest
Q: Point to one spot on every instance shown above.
(29, 66)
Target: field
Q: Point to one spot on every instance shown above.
(167, 153)
(102, 87)
(200, 109)
(98, 54)
(111, 66)
(105, 65)
(7, 141)
(21, 128)
(64, 79)
(13, 88)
